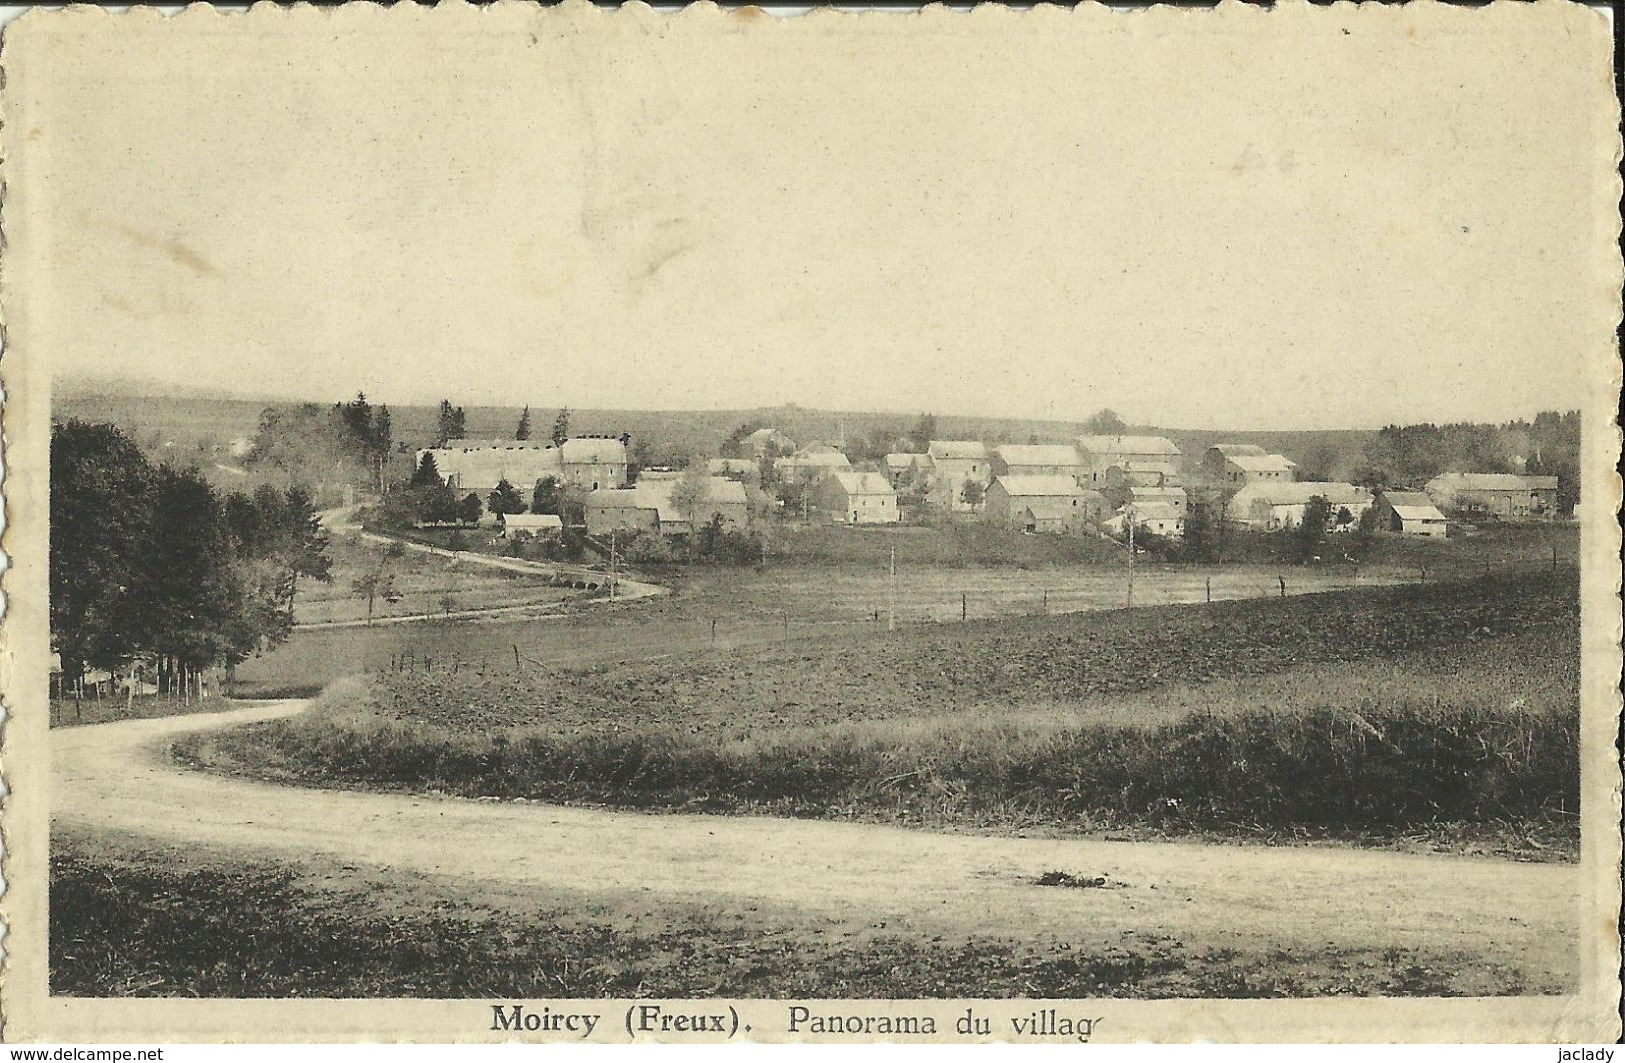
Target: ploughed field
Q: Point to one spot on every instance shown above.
(1435, 715)
(815, 591)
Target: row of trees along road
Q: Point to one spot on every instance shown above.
(151, 563)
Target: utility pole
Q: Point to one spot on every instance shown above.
(612, 564)
(891, 592)
(1128, 517)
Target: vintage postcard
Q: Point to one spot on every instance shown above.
(562, 524)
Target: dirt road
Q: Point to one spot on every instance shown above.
(118, 777)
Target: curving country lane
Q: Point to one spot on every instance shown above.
(119, 777)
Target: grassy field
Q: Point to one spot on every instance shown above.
(1384, 714)
(782, 604)
(421, 584)
(171, 923)
(965, 543)
(74, 712)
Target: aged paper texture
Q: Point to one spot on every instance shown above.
(562, 524)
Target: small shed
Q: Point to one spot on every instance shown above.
(1410, 513)
(530, 525)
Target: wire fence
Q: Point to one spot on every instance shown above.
(914, 608)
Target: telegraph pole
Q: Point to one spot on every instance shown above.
(612, 579)
(1128, 516)
(891, 592)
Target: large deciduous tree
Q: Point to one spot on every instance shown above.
(1104, 423)
(153, 563)
(101, 512)
(1311, 529)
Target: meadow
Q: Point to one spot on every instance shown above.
(1443, 714)
(836, 585)
(418, 584)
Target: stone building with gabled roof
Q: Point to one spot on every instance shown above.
(1035, 459)
(1476, 495)
(1040, 503)
(852, 497)
(955, 463)
(1103, 460)
(1280, 505)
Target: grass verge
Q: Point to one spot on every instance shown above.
(74, 712)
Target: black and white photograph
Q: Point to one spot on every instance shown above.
(569, 524)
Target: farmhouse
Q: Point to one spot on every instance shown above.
(479, 464)
(1032, 459)
(649, 507)
(1276, 505)
(900, 465)
(859, 497)
(587, 462)
(633, 509)
(1410, 513)
(1472, 494)
(1168, 494)
(594, 462)
(811, 464)
(1243, 469)
(1216, 456)
(1159, 518)
(725, 498)
(955, 463)
(1137, 459)
(1038, 503)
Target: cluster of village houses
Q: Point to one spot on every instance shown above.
(1104, 483)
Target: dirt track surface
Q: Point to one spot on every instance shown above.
(118, 777)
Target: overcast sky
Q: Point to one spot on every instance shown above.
(1167, 218)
